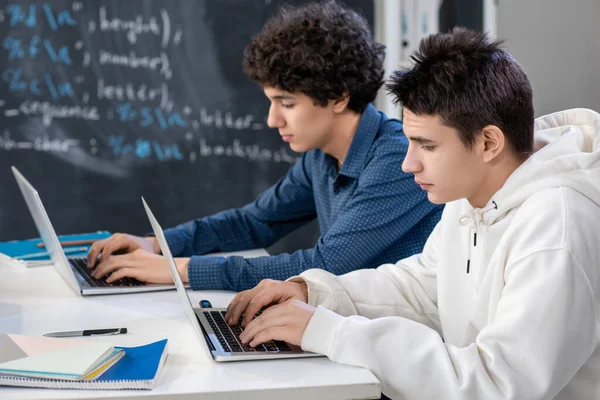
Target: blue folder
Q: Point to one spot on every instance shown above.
(141, 364)
(18, 248)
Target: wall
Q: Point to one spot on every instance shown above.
(558, 44)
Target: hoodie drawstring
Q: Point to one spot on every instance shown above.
(473, 219)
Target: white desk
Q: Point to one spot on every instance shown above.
(36, 300)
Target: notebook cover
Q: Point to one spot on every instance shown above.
(139, 363)
(50, 357)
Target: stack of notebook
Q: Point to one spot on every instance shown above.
(38, 361)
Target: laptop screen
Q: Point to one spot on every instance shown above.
(181, 292)
(45, 229)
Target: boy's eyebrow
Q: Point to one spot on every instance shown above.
(420, 139)
(283, 97)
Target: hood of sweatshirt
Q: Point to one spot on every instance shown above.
(517, 320)
(567, 145)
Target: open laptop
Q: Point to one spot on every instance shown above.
(74, 270)
(209, 323)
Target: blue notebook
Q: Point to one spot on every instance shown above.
(138, 369)
(17, 248)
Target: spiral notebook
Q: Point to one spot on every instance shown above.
(138, 369)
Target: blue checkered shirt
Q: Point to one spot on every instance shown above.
(369, 213)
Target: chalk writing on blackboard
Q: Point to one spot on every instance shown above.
(60, 68)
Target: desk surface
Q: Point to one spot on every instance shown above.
(36, 300)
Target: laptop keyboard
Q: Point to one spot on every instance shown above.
(80, 264)
(229, 336)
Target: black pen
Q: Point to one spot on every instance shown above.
(89, 332)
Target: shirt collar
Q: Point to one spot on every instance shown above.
(364, 137)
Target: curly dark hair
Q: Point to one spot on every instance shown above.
(322, 50)
(470, 82)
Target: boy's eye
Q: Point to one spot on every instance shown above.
(287, 105)
(427, 148)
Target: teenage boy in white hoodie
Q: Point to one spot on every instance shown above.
(503, 302)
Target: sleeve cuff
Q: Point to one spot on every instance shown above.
(316, 294)
(206, 272)
(321, 332)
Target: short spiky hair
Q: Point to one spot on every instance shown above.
(470, 82)
(320, 49)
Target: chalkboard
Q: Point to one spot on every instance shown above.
(102, 102)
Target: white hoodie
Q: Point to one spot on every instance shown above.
(523, 323)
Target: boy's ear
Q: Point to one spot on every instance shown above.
(493, 142)
(341, 104)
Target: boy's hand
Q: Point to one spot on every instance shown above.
(267, 292)
(141, 265)
(285, 322)
(120, 243)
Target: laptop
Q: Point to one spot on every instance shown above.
(74, 270)
(209, 324)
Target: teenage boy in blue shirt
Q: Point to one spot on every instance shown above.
(320, 68)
